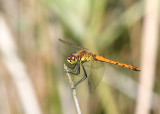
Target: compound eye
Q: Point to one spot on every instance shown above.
(72, 57)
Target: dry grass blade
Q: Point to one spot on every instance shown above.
(73, 90)
(148, 58)
(18, 73)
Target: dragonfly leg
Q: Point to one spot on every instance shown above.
(75, 70)
(84, 77)
(72, 67)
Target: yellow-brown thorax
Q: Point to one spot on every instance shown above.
(84, 56)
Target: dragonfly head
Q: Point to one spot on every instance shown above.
(72, 59)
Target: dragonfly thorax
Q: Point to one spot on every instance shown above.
(72, 59)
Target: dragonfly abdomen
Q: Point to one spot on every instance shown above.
(100, 58)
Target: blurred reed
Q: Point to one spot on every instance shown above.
(108, 27)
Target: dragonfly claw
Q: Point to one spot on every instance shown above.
(66, 71)
(73, 87)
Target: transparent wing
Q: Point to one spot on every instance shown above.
(94, 64)
(71, 44)
(95, 75)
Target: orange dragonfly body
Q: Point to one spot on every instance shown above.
(83, 56)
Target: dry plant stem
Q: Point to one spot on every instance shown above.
(16, 68)
(148, 57)
(73, 90)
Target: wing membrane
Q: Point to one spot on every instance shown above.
(71, 44)
(95, 75)
(94, 64)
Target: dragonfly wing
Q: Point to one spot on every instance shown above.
(95, 75)
(72, 45)
(94, 64)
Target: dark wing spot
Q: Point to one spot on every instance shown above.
(116, 63)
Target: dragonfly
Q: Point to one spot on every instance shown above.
(79, 59)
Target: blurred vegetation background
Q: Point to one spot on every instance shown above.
(108, 27)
